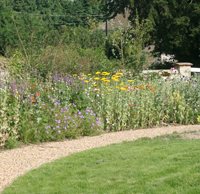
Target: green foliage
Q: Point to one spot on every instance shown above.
(7, 36)
(128, 42)
(176, 24)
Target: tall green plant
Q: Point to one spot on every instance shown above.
(128, 43)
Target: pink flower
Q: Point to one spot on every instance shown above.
(59, 131)
(172, 68)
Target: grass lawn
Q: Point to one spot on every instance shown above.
(166, 164)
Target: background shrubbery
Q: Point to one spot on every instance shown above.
(62, 84)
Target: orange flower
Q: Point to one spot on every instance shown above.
(134, 113)
(18, 94)
(37, 94)
(129, 104)
(141, 87)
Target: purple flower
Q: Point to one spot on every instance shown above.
(47, 132)
(91, 127)
(93, 124)
(97, 129)
(69, 117)
(59, 131)
(57, 127)
(54, 128)
(64, 121)
(58, 121)
(56, 115)
(38, 131)
(113, 124)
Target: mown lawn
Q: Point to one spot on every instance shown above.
(142, 166)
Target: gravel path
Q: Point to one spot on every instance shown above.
(16, 162)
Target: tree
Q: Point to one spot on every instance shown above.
(7, 35)
(176, 23)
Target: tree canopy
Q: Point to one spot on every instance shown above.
(57, 7)
(176, 23)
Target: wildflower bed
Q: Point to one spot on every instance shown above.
(57, 107)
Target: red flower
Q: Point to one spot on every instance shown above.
(134, 113)
(37, 94)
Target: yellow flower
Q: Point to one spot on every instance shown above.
(119, 73)
(116, 80)
(103, 78)
(96, 78)
(102, 91)
(86, 81)
(107, 87)
(98, 72)
(110, 90)
(130, 80)
(107, 80)
(117, 87)
(180, 107)
(95, 85)
(88, 18)
(122, 88)
(122, 83)
(89, 74)
(104, 73)
(75, 75)
(82, 75)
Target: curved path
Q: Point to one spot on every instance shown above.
(16, 162)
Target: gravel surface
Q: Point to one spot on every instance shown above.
(16, 162)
